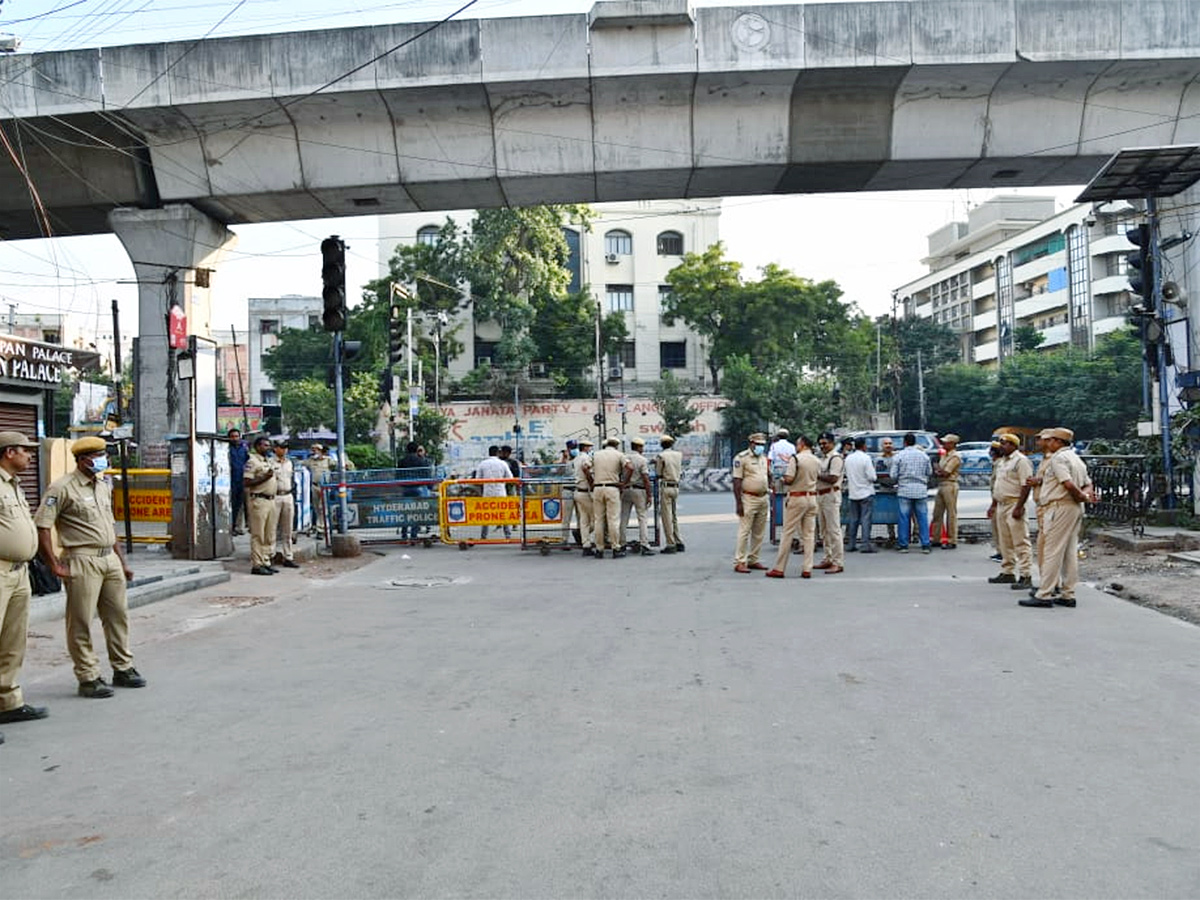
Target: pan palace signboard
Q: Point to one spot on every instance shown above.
(33, 364)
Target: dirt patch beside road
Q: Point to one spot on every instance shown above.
(1145, 577)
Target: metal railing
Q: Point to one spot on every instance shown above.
(1127, 491)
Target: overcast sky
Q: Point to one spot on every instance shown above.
(868, 243)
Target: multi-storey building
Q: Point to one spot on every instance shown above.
(268, 316)
(1016, 262)
(623, 258)
(233, 370)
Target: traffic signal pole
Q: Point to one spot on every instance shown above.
(338, 396)
(1164, 396)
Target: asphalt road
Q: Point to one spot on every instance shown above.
(553, 726)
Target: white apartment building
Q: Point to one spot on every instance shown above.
(624, 259)
(268, 316)
(1016, 262)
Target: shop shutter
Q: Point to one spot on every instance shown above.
(22, 417)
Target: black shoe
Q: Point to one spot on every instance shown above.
(599, 553)
(128, 678)
(1, 738)
(670, 548)
(1068, 602)
(271, 570)
(1035, 601)
(950, 546)
(679, 547)
(851, 549)
(95, 689)
(646, 551)
(998, 557)
(589, 551)
(1024, 583)
(261, 570)
(24, 713)
(1003, 578)
(290, 564)
(619, 554)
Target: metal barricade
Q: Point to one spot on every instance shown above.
(468, 513)
(386, 505)
(545, 510)
(149, 504)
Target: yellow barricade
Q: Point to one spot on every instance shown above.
(149, 504)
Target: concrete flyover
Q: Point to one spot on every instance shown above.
(634, 100)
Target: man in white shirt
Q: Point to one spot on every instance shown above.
(782, 449)
(860, 489)
(494, 467)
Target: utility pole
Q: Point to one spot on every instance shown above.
(599, 419)
(123, 443)
(921, 389)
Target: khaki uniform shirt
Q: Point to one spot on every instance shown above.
(951, 463)
(318, 467)
(283, 476)
(1011, 473)
(753, 471)
(608, 466)
(578, 464)
(18, 534)
(669, 466)
(833, 464)
(256, 466)
(802, 472)
(641, 470)
(81, 509)
(1064, 465)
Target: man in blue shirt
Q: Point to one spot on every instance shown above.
(238, 454)
(910, 470)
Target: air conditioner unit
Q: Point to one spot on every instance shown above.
(610, 257)
(617, 372)
(537, 370)
(481, 361)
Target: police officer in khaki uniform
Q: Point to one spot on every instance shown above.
(285, 506)
(608, 473)
(829, 505)
(637, 495)
(583, 497)
(79, 506)
(751, 474)
(18, 545)
(668, 466)
(800, 510)
(319, 465)
(1065, 488)
(1009, 492)
(945, 504)
(260, 476)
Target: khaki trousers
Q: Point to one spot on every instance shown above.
(799, 518)
(945, 507)
(14, 625)
(584, 506)
(285, 511)
(668, 498)
(752, 526)
(1061, 556)
(635, 499)
(96, 585)
(1012, 540)
(568, 508)
(263, 516)
(830, 507)
(318, 514)
(606, 513)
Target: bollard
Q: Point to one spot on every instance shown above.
(346, 545)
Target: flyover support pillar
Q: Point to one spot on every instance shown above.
(1184, 269)
(173, 251)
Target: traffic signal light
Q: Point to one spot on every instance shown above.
(397, 325)
(1141, 263)
(333, 283)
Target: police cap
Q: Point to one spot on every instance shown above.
(15, 439)
(88, 445)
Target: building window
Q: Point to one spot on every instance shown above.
(268, 326)
(626, 356)
(664, 296)
(428, 235)
(618, 243)
(620, 297)
(670, 243)
(51, 337)
(270, 397)
(485, 353)
(314, 322)
(672, 355)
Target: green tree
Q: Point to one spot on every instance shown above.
(673, 398)
(914, 342)
(1027, 338)
(706, 293)
(564, 334)
(308, 404)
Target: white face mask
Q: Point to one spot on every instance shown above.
(574, 453)
(99, 464)
(758, 449)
